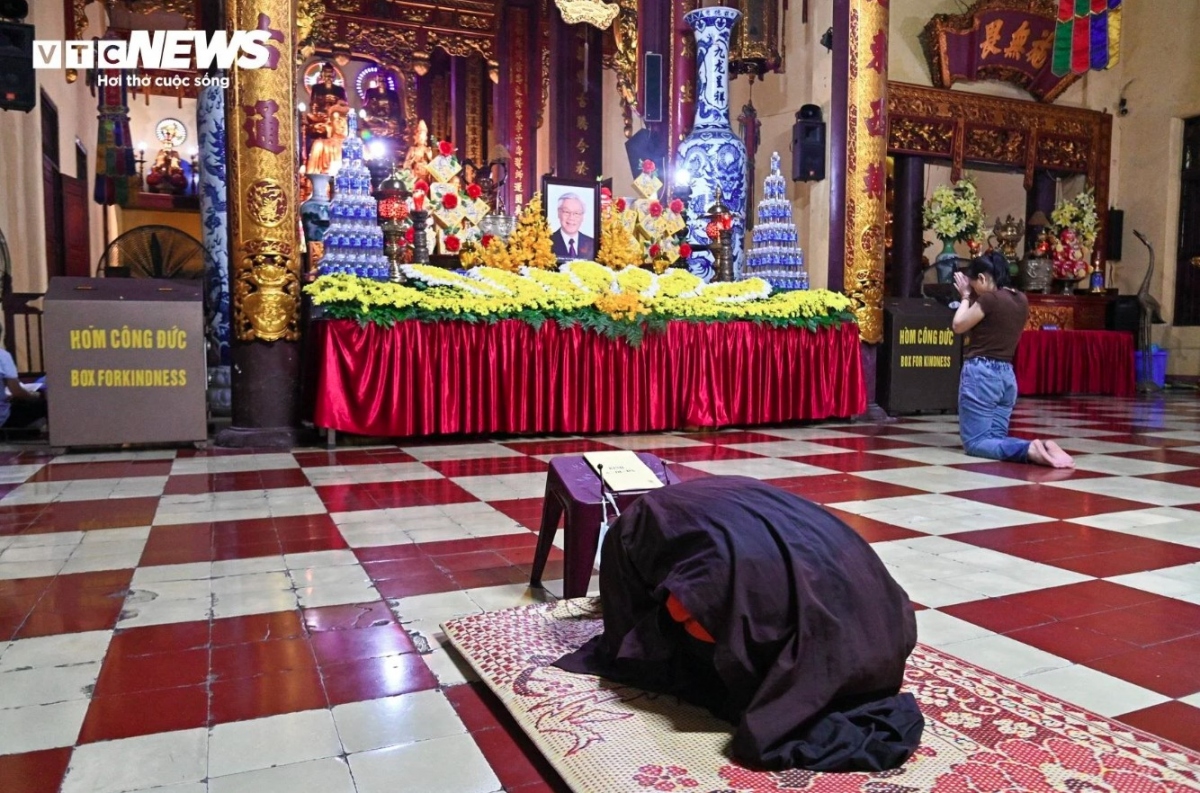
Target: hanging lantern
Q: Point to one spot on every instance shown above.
(754, 45)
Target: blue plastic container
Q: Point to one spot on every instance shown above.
(1158, 366)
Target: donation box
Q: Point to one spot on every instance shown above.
(125, 361)
(920, 359)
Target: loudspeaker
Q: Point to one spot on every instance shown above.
(13, 9)
(1123, 313)
(1114, 232)
(652, 104)
(808, 145)
(18, 87)
(645, 145)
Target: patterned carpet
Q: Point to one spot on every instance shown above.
(983, 732)
(212, 622)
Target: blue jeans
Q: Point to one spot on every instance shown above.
(987, 392)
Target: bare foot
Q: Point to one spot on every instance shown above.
(1057, 456)
(1037, 454)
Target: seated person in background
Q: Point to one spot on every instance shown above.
(767, 610)
(20, 407)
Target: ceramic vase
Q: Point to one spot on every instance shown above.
(314, 213)
(945, 262)
(712, 154)
(214, 218)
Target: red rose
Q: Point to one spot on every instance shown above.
(654, 251)
(676, 205)
(445, 148)
(647, 166)
(474, 190)
(685, 250)
(486, 240)
(655, 209)
(452, 244)
(421, 186)
(605, 192)
(409, 235)
(450, 200)
(620, 205)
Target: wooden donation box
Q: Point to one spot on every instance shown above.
(920, 359)
(125, 361)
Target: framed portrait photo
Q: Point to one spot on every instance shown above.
(572, 209)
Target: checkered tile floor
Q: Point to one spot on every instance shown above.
(223, 622)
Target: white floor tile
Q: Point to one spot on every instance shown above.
(1150, 491)
(443, 765)
(1008, 657)
(61, 650)
(943, 631)
(789, 448)
(276, 740)
(329, 775)
(1096, 691)
(395, 721)
(147, 761)
(938, 479)
(459, 451)
(47, 684)
(760, 468)
(37, 727)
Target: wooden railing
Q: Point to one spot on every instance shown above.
(23, 331)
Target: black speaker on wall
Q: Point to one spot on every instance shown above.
(652, 71)
(808, 145)
(18, 88)
(1115, 231)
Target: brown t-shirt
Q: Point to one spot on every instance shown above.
(997, 334)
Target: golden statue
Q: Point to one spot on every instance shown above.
(416, 161)
(325, 155)
(327, 99)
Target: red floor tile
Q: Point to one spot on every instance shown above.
(68, 471)
(1189, 478)
(401, 568)
(866, 443)
(513, 757)
(80, 602)
(488, 466)
(34, 772)
(499, 542)
(128, 674)
(373, 678)
(1159, 620)
(418, 584)
(836, 488)
(472, 560)
(1169, 456)
(998, 614)
(344, 646)
(1069, 641)
(492, 576)
(1082, 599)
(254, 628)
(318, 458)
(112, 513)
(144, 713)
(238, 699)
(178, 545)
(476, 706)
(253, 659)
(157, 639)
(1169, 668)
(423, 492)
(873, 530)
(1027, 473)
(1174, 721)
(855, 462)
(692, 454)
(526, 511)
(348, 617)
(249, 548)
(1052, 502)
(383, 553)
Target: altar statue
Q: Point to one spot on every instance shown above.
(327, 99)
(325, 155)
(381, 112)
(325, 92)
(416, 161)
(167, 174)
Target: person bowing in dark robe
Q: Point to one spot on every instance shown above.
(767, 610)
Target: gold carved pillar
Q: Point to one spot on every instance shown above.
(866, 163)
(264, 254)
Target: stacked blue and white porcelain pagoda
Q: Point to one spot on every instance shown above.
(775, 254)
(354, 240)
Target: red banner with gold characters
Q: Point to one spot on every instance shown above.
(1007, 40)
(260, 117)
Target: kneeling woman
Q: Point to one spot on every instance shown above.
(767, 610)
(994, 314)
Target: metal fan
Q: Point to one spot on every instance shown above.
(154, 252)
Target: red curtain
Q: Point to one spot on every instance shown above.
(1075, 362)
(420, 378)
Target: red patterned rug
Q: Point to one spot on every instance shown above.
(983, 733)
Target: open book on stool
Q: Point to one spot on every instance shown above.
(622, 471)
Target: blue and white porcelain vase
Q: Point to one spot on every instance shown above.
(214, 217)
(314, 213)
(712, 154)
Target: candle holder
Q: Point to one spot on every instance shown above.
(140, 161)
(721, 217)
(420, 225)
(393, 209)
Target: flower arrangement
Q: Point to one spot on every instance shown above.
(528, 246)
(954, 213)
(620, 304)
(1074, 224)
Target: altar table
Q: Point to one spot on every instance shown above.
(1075, 362)
(443, 378)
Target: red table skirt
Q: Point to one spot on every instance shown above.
(426, 378)
(1075, 362)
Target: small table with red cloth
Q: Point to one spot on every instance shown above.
(573, 488)
(446, 378)
(1075, 362)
